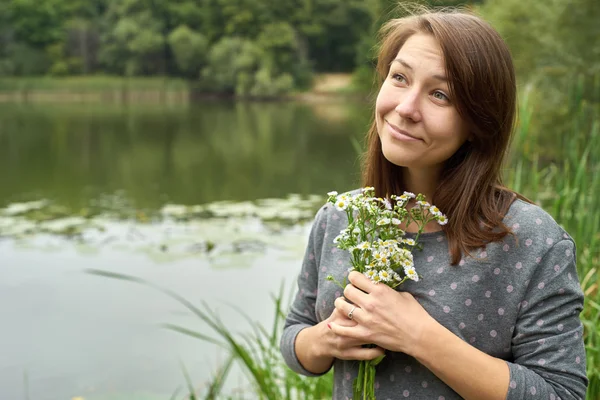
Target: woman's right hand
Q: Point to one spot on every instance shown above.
(317, 346)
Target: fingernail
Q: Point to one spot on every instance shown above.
(329, 326)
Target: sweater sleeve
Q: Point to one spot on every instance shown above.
(302, 313)
(549, 354)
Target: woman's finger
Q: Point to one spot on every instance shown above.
(361, 353)
(353, 332)
(341, 319)
(361, 282)
(355, 295)
(351, 311)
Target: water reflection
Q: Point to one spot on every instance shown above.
(189, 155)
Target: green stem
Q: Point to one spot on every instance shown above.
(365, 382)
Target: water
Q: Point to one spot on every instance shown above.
(66, 333)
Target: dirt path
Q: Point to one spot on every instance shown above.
(331, 83)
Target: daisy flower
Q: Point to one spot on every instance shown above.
(370, 274)
(435, 211)
(409, 242)
(364, 246)
(341, 204)
(385, 275)
(411, 273)
(384, 221)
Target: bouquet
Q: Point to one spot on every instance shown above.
(379, 250)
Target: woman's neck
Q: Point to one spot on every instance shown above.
(421, 181)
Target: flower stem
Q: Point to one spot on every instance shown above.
(365, 383)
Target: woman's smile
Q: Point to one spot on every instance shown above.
(400, 134)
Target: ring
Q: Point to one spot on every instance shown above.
(351, 311)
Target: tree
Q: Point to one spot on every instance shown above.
(189, 48)
(36, 23)
(134, 40)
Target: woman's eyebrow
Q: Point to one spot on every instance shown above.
(441, 78)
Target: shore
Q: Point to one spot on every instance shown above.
(156, 90)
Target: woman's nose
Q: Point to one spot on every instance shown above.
(408, 105)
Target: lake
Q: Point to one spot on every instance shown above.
(212, 200)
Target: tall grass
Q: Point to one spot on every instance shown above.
(561, 172)
(257, 353)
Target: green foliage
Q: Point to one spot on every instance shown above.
(239, 66)
(231, 62)
(36, 23)
(22, 60)
(135, 41)
(176, 38)
(549, 35)
(550, 39)
(189, 48)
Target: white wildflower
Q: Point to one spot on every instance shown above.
(387, 204)
(407, 260)
(385, 275)
(411, 273)
(384, 261)
(364, 246)
(435, 211)
(341, 204)
(370, 273)
(333, 193)
(384, 221)
(396, 221)
(377, 256)
(442, 220)
(410, 242)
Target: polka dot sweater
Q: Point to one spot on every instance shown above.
(518, 300)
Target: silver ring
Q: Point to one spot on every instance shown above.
(351, 311)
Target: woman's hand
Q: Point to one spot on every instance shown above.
(346, 347)
(318, 346)
(392, 320)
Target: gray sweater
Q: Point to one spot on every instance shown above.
(518, 300)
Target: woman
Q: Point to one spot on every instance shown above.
(496, 313)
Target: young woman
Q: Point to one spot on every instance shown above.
(496, 313)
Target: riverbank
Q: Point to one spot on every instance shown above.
(158, 90)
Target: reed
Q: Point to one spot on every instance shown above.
(561, 172)
(257, 353)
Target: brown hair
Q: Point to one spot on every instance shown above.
(482, 83)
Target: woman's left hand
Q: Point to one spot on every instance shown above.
(392, 320)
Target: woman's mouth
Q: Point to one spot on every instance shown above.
(400, 134)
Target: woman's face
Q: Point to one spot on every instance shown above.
(417, 121)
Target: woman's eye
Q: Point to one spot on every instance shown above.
(399, 78)
(440, 96)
